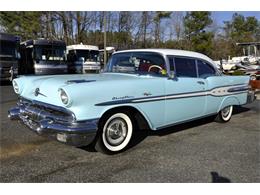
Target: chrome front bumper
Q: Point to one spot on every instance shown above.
(53, 121)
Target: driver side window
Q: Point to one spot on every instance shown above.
(185, 67)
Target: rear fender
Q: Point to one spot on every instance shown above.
(228, 101)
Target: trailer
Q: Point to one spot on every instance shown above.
(109, 52)
(83, 58)
(9, 56)
(43, 57)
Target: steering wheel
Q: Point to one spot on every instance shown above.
(154, 66)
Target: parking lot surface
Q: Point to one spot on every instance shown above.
(199, 151)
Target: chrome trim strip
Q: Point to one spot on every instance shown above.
(216, 92)
(235, 89)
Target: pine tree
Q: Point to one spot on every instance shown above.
(195, 27)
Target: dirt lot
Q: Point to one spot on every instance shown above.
(199, 151)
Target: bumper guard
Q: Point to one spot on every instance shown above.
(250, 96)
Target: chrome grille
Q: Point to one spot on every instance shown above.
(37, 111)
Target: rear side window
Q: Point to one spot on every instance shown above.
(185, 67)
(205, 70)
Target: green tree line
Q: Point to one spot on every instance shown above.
(196, 31)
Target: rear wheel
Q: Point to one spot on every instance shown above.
(225, 114)
(115, 133)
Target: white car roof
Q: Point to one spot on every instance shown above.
(175, 52)
(108, 49)
(82, 47)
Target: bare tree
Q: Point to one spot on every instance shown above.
(177, 24)
(145, 22)
(64, 20)
(159, 15)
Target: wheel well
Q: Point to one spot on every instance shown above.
(229, 101)
(137, 116)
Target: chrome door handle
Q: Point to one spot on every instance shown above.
(201, 82)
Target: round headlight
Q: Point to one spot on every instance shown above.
(16, 87)
(64, 97)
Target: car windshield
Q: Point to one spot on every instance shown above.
(50, 53)
(88, 55)
(137, 63)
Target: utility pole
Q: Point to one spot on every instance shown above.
(105, 39)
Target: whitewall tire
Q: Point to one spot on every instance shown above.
(225, 114)
(115, 133)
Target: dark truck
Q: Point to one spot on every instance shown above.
(43, 57)
(9, 56)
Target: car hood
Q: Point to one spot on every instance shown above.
(46, 88)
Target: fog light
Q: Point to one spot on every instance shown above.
(61, 137)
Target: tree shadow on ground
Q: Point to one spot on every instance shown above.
(216, 178)
(239, 109)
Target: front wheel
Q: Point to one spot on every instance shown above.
(115, 133)
(225, 114)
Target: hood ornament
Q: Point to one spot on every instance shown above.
(37, 92)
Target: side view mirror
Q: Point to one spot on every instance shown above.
(172, 75)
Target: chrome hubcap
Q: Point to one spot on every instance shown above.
(116, 131)
(225, 111)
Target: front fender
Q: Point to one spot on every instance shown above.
(106, 109)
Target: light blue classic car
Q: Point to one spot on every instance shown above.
(150, 88)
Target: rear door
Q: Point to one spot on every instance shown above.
(185, 95)
(207, 73)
